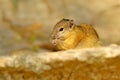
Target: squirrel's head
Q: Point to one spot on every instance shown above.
(61, 30)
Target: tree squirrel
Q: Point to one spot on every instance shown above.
(67, 35)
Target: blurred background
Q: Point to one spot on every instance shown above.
(27, 24)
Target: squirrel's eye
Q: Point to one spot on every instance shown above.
(61, 29)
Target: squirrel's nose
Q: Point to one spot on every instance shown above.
(53, 37)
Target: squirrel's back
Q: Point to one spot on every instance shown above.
(91, 37)
(89, 30)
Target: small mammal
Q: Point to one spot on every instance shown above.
(67, 35)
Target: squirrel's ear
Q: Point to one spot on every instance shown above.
(71, 23)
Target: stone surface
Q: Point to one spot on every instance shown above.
(108, 25)
(10, 41)
(85, 64)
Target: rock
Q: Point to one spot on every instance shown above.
(10, 41)
(85, 64)
(51, 11)
(107, 24)
(23, 14)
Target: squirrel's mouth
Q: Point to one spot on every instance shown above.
(57, 40)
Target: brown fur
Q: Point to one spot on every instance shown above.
(73, 36)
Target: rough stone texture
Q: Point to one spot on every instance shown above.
(86, 64)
